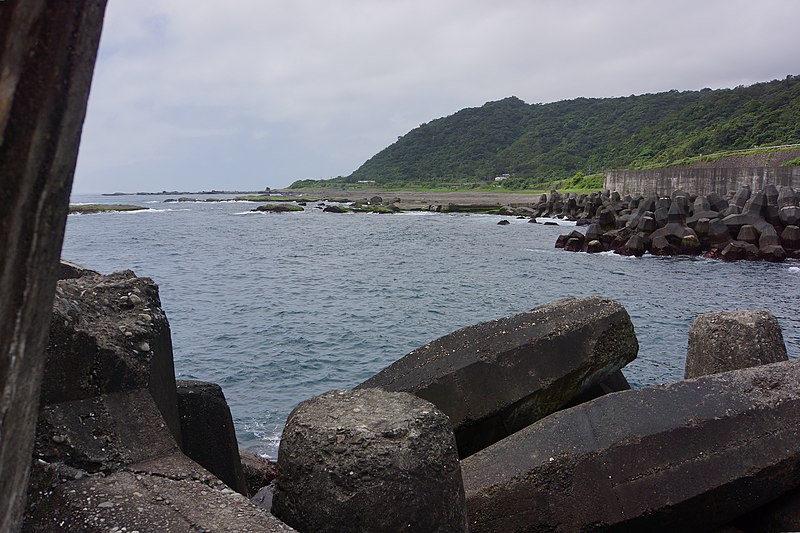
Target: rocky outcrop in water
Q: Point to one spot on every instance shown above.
(747, 225)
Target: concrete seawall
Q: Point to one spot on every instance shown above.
(700, 181)
(703, 177)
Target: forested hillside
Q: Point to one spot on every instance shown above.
(536, 143)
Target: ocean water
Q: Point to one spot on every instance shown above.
(277, 308)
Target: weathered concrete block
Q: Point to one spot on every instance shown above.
(369, 460)
(47, 54)
(167, 494)
(730, 340)
(208, 433)
(495, 378)
(616, 382)
(688, 456)
(103, 433)
(70, 270)
(109, 334)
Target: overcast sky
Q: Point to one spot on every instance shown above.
(247, 94)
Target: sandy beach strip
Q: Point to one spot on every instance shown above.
(418, 200)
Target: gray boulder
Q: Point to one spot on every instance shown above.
(730, 340)
(689, 456)
(368, 460)
(495, 378)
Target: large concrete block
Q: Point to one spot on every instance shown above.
(169, 494)
(109, 334)
(495, 378)
(47, 54)
(730, 340)
(208, 433)
(369, 460)
(689, 456)
(102, 433)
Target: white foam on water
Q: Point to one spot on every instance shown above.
(559, 221)
(151, 210)
(794, 270)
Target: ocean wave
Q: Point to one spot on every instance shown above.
(267, 434)
(794, 270)
(149, 210)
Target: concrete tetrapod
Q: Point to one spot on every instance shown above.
(688, 456)
(208, 433)
(369, 460)
(105, 455)
(495, 378)
(729, 340)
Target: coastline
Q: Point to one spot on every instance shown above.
(418, 200)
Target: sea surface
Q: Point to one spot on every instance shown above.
(277, 308)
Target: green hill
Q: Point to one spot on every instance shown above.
(538, 143)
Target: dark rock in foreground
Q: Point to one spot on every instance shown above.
(106, 452)
(170, 494)
(109, 334)
(258, 471)
(70, 270)
(731, 340)
(497, 377)
(208, 433)
(369, 460)
(692, 455)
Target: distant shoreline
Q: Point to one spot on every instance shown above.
(408, 199)
(163, 193)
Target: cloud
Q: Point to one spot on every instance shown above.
(274, 91)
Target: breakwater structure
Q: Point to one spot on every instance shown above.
(523, 423)
(721, 174)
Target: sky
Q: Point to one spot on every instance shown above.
(247, 94)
